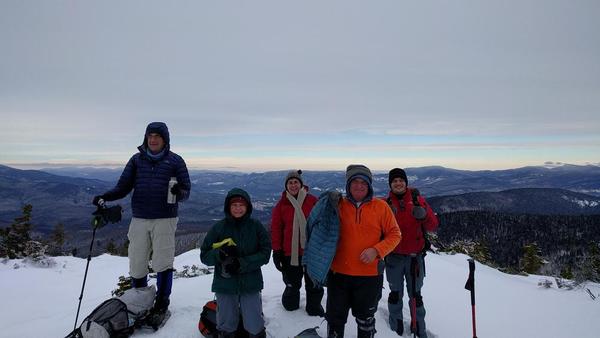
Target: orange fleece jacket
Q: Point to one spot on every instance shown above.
(372, 225)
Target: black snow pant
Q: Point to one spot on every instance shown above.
(292, 277)
(360, 294)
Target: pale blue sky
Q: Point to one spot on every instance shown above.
(261, 85)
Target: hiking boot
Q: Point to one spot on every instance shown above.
(161, 304)
(291, 298)
(157, 318)
(159, 313)
(335, 331)
(318, 311)
(261, 334)
(365, 334)
(399, 327)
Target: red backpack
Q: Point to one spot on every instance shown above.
(208, 322)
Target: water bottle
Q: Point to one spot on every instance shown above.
(171, 198)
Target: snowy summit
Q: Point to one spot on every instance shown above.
(42, 302)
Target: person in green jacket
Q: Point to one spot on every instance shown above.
(237, 246)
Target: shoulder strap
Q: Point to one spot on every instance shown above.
(415, 196)
(391, 205)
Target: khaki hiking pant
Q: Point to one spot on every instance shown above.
(151, 236)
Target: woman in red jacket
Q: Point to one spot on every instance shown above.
(288, 237)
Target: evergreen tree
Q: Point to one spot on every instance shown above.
(57, 240)
(531, 262)
(124, 249)
(111, 248)
(123, 285)
(15, 238)
(567, 272)
(58, 235)
(481, 253)
(591, 264)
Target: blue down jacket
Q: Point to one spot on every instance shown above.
(149, 179)
(323, 232)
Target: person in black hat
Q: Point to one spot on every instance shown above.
(159, 179)
(288, 237)
(415, 218)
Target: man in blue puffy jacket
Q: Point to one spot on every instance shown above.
(151, 174)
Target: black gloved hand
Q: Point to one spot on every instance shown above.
(176, 190)
(98, 200)
(278, 257)
(227, 252)
(419, 213)
(232, 266)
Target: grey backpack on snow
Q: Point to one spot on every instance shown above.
(117, 317)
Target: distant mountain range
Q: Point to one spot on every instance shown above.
(432, 181)
(63, 195)
(542, 201)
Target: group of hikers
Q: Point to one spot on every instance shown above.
(370, 235)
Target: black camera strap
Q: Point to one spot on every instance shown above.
(415, 199)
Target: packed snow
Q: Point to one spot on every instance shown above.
(42, 301)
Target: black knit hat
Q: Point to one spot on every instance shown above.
(395, 173)
(297, 174)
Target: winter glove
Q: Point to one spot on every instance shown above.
(228, 251)
(278, 257)
(232, 266)
(98, 200)
(176, 190)
(419, 213)
(103, 216)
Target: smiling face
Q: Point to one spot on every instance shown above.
(155, 142)
(293, 186)
(398, 186)
(359, 189)
(238, 209)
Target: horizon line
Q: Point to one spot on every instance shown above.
(116, 166)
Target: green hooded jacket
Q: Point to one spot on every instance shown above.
(253, 244)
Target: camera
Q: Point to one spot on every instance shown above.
(104, 215)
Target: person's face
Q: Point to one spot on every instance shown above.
(359, 189)
(398, 186)
(238, 209)
(155, 142)
(293, 186)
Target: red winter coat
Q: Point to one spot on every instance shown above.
(282, 222)
(412, 234)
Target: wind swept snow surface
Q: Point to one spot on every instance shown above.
(42, 302)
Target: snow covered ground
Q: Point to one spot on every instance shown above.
(42, 302)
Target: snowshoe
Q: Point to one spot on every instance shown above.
(154, 320)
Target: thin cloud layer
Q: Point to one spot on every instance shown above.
(80, 80)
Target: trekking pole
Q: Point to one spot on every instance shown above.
(470, 285)
(97, 221)
(414, 267)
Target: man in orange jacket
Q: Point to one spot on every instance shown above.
(368, 232)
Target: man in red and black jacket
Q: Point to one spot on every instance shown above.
(415, 218)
